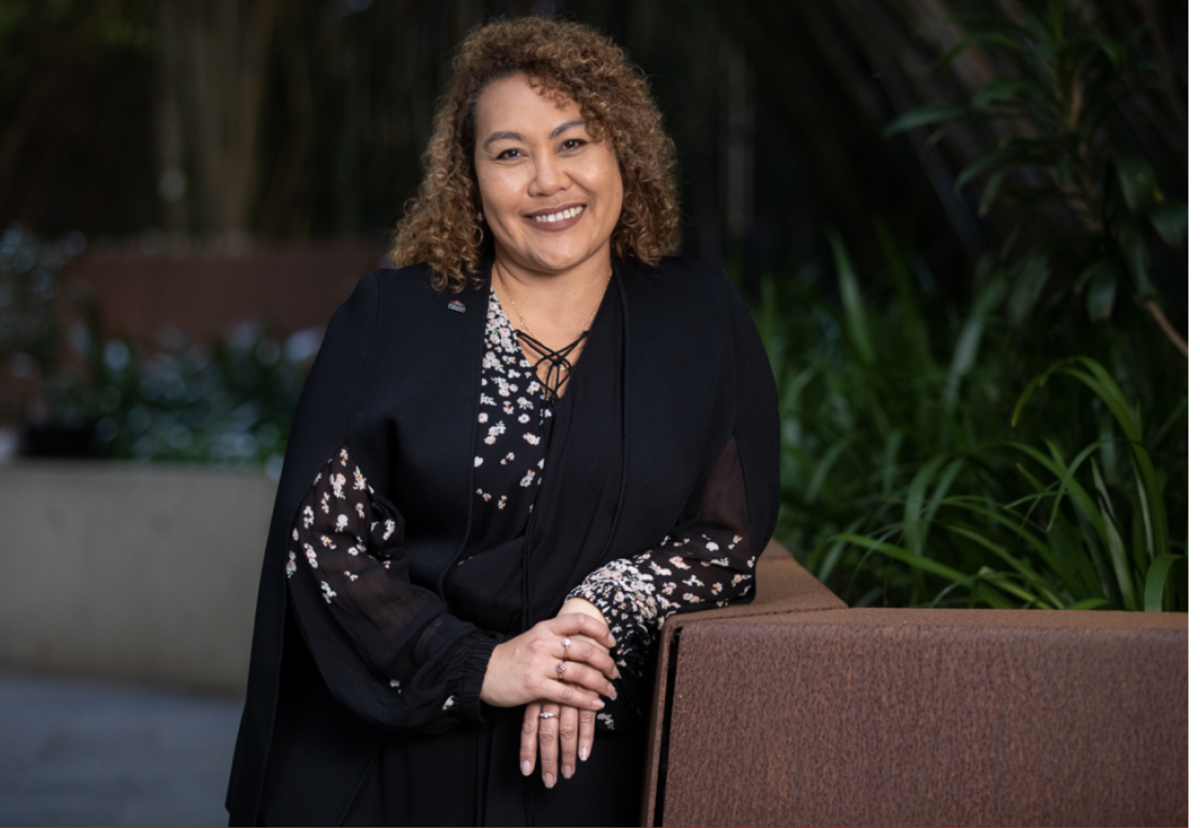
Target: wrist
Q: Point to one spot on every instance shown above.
(582, 605)
(490, 689)
(473, 676)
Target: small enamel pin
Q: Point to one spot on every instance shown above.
(457, 306)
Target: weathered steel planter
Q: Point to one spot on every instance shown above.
(797, 711)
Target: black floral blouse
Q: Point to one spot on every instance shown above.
(343, 533)
(510, 452)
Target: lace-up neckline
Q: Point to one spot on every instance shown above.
(557, 361)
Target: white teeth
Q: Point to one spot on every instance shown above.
(561, 215)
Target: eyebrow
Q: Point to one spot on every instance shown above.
(561, 128)
(516, 136)
(503, 136)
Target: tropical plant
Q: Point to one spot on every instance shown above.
(930, 457)
(1093, 211)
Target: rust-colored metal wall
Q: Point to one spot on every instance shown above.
(203, 294)
(781, 714)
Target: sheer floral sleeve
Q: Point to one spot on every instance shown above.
(707, 562)
(386, 647)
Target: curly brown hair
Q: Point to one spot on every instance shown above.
(442, 224)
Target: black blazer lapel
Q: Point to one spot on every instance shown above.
(422, 431)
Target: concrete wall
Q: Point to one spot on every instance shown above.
(133, 572)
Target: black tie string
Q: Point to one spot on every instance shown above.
(558, 369)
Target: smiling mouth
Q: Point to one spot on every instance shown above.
(561, 215)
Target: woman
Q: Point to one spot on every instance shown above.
(513, 459)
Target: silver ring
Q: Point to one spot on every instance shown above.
(545, 715)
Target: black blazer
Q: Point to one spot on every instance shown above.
(397, 376)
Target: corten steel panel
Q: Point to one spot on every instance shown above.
(783, 586)
(929, 717)
(204, 293)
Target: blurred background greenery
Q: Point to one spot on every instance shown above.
(961, 224)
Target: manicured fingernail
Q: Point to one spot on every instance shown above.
(612, 692)
(568, 771)
(596, 703)
(548, 778)
(526, 768)
(583, 753)
(613, 695)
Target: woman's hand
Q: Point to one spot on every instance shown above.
(548, 725)
(526, 668)
(570, 726)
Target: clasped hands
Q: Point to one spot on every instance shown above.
(560, 684)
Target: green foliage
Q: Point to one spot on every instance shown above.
(228, 403)
(955, 467)
(28, 285)
(1093, 211)
(930, 457)
(31, 308)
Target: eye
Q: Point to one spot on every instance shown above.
(574, 143)
(507, 155)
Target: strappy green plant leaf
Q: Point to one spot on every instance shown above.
(1156, 581)
(906, 480)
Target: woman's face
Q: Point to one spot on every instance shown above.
(551, 193)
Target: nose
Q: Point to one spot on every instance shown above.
(549, 176)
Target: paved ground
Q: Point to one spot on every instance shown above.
(92, 753)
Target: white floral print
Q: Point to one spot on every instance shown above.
(637, 595)
(334, 547)
(515, 419)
